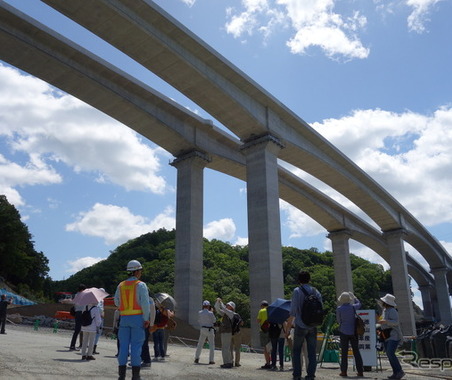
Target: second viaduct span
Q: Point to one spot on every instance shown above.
(267, 131)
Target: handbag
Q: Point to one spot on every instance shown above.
(385, 333)
(360, 326)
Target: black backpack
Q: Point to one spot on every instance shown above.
(86, 316)
(236, 322)
(274, 331)
(312, 312)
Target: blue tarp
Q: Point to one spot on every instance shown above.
(17, 300)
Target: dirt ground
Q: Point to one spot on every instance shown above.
(43, 354)
(34, 354)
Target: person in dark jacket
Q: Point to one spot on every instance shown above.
(345, 316)
(3, 306)
(78, 320)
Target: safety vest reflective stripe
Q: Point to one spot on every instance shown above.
(128, 298)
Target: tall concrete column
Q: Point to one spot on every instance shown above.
(427, 301)
(188, 281)
(264, 229)
(341, 259)
(442, 291)
(400, 280)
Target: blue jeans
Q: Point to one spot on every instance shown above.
(159, 349)
(390, 348)
(300, 335)
(130, 334)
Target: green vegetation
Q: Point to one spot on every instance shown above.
(225, 267)
(226, 271)
(20, 264)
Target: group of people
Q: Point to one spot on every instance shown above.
(136, 314)
(388, 328)
(229, 325)
(88, 334)
(297, 331)
(136, 317)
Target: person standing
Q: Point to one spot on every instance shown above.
(277, 334)
(345, 316)
(132, 299)
(390, 325)
(206, 319)
(236, 339)
(162, 316)
(90, 331)
(227, 313)
(116, 320)
(145, 353)
(78, 320)
(302, 331)
(264, 338)
(100, 305)
(3, 306)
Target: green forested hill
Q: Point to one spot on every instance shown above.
(226, 271)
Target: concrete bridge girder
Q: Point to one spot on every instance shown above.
(235, 100)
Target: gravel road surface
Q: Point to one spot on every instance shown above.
(30, 354)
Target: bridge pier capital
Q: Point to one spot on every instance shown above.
(265, 141)
(191, 157)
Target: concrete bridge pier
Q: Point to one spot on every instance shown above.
(442, 291)
(400, 283)
(341, 259)
(188, 282)
(264, 228)
(427, 301)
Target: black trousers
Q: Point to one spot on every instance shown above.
(78, 327)
(2, 323)
(353, 340)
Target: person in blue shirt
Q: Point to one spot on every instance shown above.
(302, 332)
(345, 316)
(132, 299)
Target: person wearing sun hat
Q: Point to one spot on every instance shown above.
(390, 321)
(227, 313)
(345, 316)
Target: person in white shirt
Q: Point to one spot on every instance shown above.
(90, 331)
(206, 319)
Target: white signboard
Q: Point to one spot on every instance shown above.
(367, 342)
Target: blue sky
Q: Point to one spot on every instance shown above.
(373, 77)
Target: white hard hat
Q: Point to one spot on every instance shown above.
(133, 265)
(231, 304)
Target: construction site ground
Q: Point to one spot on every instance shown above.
(44, 354)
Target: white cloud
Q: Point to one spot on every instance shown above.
(314, 24)
(49, 126)
(407, 153)
(419, 15)
(298, 223)
(223, 229)
(241, 241)
(117, 224)
(190, 3)
(81, 263)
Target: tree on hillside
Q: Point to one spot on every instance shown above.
(20, 263)
(226, 271)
